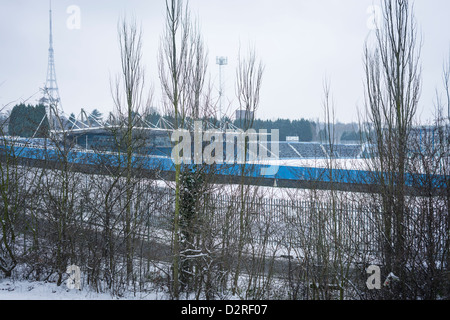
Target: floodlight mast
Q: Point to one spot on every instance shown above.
(221, 61)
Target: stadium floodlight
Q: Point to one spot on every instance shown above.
(221, 61)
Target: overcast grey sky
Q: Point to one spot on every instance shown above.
(301, 42)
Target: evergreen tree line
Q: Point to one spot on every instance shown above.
(28, 121)
(305, 130)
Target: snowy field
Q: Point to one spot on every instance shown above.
(39, 290)
(34, 290)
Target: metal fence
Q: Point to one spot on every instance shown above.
(282, 223)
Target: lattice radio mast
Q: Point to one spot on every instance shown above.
(51, 92)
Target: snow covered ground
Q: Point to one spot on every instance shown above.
(35, 290)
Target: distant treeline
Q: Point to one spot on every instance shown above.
(305, 130)
(28, 121)
(25, 120)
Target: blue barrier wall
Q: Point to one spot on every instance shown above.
(249, 170)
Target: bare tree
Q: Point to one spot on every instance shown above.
(393, 84)
(249, 75)
(430, 158)
(182, 72)
(129, 102)
(446, 79)
(11, 204)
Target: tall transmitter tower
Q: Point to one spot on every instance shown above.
(51, 97)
